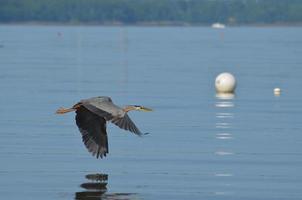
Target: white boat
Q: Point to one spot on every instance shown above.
(218, 25)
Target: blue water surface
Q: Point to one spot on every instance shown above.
(200, 146)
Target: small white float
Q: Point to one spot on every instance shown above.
(277, 91)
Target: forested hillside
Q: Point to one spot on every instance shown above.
(235, 12)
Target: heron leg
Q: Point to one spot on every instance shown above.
(64, 110)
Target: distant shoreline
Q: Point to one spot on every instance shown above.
(146, 24)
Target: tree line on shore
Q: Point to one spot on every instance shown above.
(233, 12)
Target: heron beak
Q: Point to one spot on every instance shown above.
(145, 109)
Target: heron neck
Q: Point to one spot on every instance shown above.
(128, 108)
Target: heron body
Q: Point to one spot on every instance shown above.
(91, 117)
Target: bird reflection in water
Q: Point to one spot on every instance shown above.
(96, 189)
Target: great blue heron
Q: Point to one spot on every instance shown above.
(91, 117)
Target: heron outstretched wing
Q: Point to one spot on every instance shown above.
(127, 124)
(93, 130)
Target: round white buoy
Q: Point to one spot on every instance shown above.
(277, 91)
(225, 83)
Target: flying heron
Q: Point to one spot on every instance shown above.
(91, 117)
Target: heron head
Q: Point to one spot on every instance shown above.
(136, 107)
(142, 108)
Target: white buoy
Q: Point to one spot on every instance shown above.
(225, 83)
(277, 91)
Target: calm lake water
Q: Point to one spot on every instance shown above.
(200, 146)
